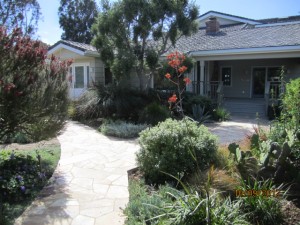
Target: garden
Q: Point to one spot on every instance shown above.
(33, 109)
(183, 176)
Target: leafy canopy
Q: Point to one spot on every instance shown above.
(22, 14)
(76, 18)
(132, 34)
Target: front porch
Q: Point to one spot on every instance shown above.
(243, 86)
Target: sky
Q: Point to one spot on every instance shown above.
(50, 32)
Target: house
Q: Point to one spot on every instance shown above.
(87, 67)
(238, 60)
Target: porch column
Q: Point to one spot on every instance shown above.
(202, 63)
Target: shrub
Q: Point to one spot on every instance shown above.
(190, 99)
(221, 114)
(88, 105)
(176, 207)
(121, 129)
(113, 101)
(291, 103)
(19, 176)
(145, 204)
(33, 92)
(172, 147)
(256, 206)
(154, 113)
(23, 174)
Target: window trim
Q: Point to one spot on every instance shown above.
(85, 74)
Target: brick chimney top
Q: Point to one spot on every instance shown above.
(212, 26)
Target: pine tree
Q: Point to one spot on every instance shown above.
(76, 18)
(21, 14)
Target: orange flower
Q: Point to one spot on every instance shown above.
(168, 76)
(174, 63)
(182, 69)
(173, 98)
(187, 80)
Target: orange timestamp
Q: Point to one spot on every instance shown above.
(257, 193)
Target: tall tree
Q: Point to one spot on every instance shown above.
(22, 14)
(76, 18)
(132, 34)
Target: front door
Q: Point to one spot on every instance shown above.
(80, 79)
(258, 82)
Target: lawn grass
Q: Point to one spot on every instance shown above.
(50, 156)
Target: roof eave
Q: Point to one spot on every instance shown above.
(229, 17)
(278, 49)
(92, 53)
(61, 45)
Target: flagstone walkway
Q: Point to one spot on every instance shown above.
(90, 184)
(236, 128)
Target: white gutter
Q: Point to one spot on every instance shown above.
(92, 53)
(246, 51)
(277, 24)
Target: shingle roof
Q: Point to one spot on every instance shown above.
(77, 45)
(240, 37)
(280, 20)
(226, 14)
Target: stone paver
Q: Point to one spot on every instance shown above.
(236, 128)
(90, 184)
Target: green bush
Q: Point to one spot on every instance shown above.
(22, 175)
(112, 101)
(190, 99)
(291, 103)
(145, 204)
(19, 175)
(170, 206)
(88, 106)
(172, 147)
(221, 114)
(154, 113)
(121, 129)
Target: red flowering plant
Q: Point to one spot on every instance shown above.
(33, 89)
(176, 62)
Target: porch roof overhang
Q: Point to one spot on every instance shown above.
(248, 53)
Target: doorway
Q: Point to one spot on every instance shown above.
(258, 82)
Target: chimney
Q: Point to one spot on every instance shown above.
(212, 26)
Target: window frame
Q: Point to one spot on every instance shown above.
(221, 74)
(85, 74)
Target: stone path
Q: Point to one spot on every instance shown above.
(236, 128)
(90, 185)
